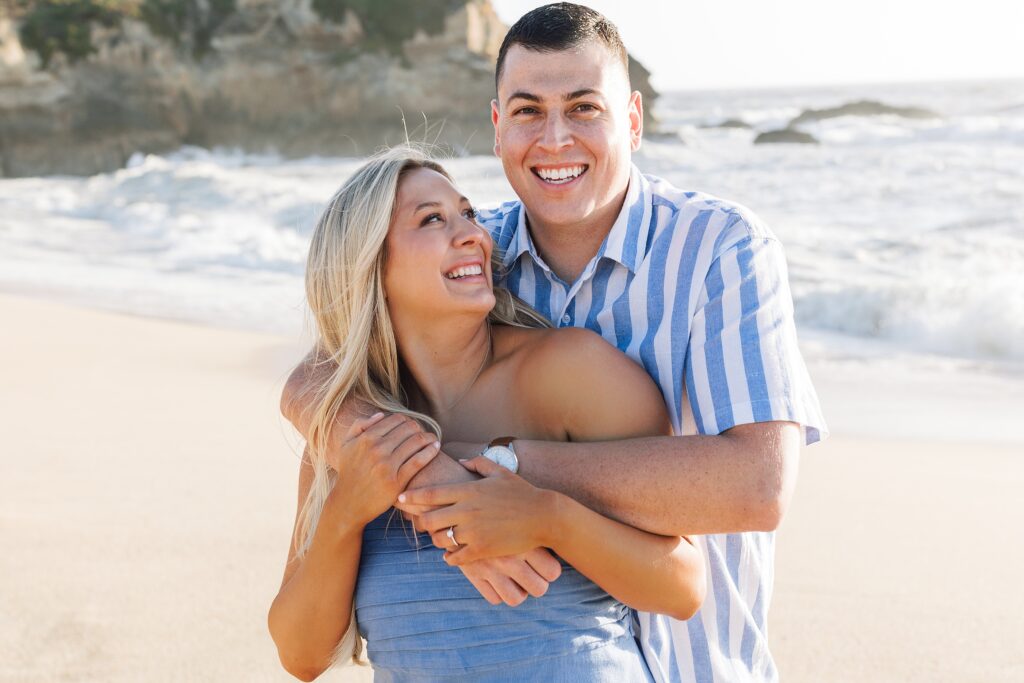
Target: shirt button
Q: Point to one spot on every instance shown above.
(566, 319)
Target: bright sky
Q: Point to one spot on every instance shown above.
(756, 43)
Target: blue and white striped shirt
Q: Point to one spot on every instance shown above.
(695, 289)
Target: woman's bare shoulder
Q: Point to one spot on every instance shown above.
(576, 375)
(549, 350)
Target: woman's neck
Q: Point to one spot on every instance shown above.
(444, 359)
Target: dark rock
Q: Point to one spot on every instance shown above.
(862, 108)
(660, 135)
(785, 135)
(728, 123)
(640, 79)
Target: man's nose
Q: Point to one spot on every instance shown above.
(556, 134)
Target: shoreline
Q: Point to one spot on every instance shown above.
(869, 388)
(149, 489)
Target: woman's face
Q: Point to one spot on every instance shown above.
(439, 258)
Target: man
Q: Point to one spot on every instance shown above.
(691, 287)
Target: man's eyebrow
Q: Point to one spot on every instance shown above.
(583, 92)
(522, 95)
(574, 95)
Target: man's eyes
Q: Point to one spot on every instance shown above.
(583, 108)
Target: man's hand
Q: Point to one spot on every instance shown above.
(499, 580)
(497, 516)
(510, 579)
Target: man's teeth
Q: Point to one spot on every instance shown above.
(463, 272)
(564, 175)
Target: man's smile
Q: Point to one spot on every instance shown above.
(560, 175)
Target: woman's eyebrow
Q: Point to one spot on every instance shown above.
(425, 205)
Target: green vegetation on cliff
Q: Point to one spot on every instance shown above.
(65, 26)
(389, 24)
(188, 22)
(51, 27)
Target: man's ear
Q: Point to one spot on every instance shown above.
(494, 122)
(636, 120)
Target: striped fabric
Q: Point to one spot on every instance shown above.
(694, 289)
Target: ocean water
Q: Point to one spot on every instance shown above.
(905, 237)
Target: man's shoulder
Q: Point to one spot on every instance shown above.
(501, 221)
(494, 216)
(725, 221)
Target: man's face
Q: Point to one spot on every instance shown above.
(565, 124)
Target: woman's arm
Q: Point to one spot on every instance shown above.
(312, 609)
(651, 573)
(579, 384)
(311, 612)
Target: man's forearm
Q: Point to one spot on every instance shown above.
(680, 485)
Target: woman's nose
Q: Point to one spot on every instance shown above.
(468, 232)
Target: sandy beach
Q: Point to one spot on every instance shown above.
(147, 492)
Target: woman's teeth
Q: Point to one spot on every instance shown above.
(560, 175)
(463, 272)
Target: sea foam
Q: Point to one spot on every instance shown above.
(900, 231)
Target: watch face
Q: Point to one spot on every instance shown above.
(503, 456)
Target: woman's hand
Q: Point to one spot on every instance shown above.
(378, 457)
(499, 515)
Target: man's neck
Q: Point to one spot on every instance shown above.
(567, 249)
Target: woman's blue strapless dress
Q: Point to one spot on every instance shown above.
(423, 621)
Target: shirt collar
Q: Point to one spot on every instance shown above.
(521, 241)
(625, 240)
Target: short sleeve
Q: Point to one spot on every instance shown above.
(743, 364)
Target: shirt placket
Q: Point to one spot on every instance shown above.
(567, 311)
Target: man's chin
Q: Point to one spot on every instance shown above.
(556, 220)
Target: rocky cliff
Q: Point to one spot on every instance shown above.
(86, 83)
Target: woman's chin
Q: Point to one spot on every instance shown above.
(476, 287)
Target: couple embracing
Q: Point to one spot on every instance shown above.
(549, 441)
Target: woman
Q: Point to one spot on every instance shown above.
(399, 280)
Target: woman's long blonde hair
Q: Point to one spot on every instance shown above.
(355, 339)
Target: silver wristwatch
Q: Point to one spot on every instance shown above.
(501, 452)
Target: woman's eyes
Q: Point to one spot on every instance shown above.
(469, 213)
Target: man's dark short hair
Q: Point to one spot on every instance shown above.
(560, 26)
